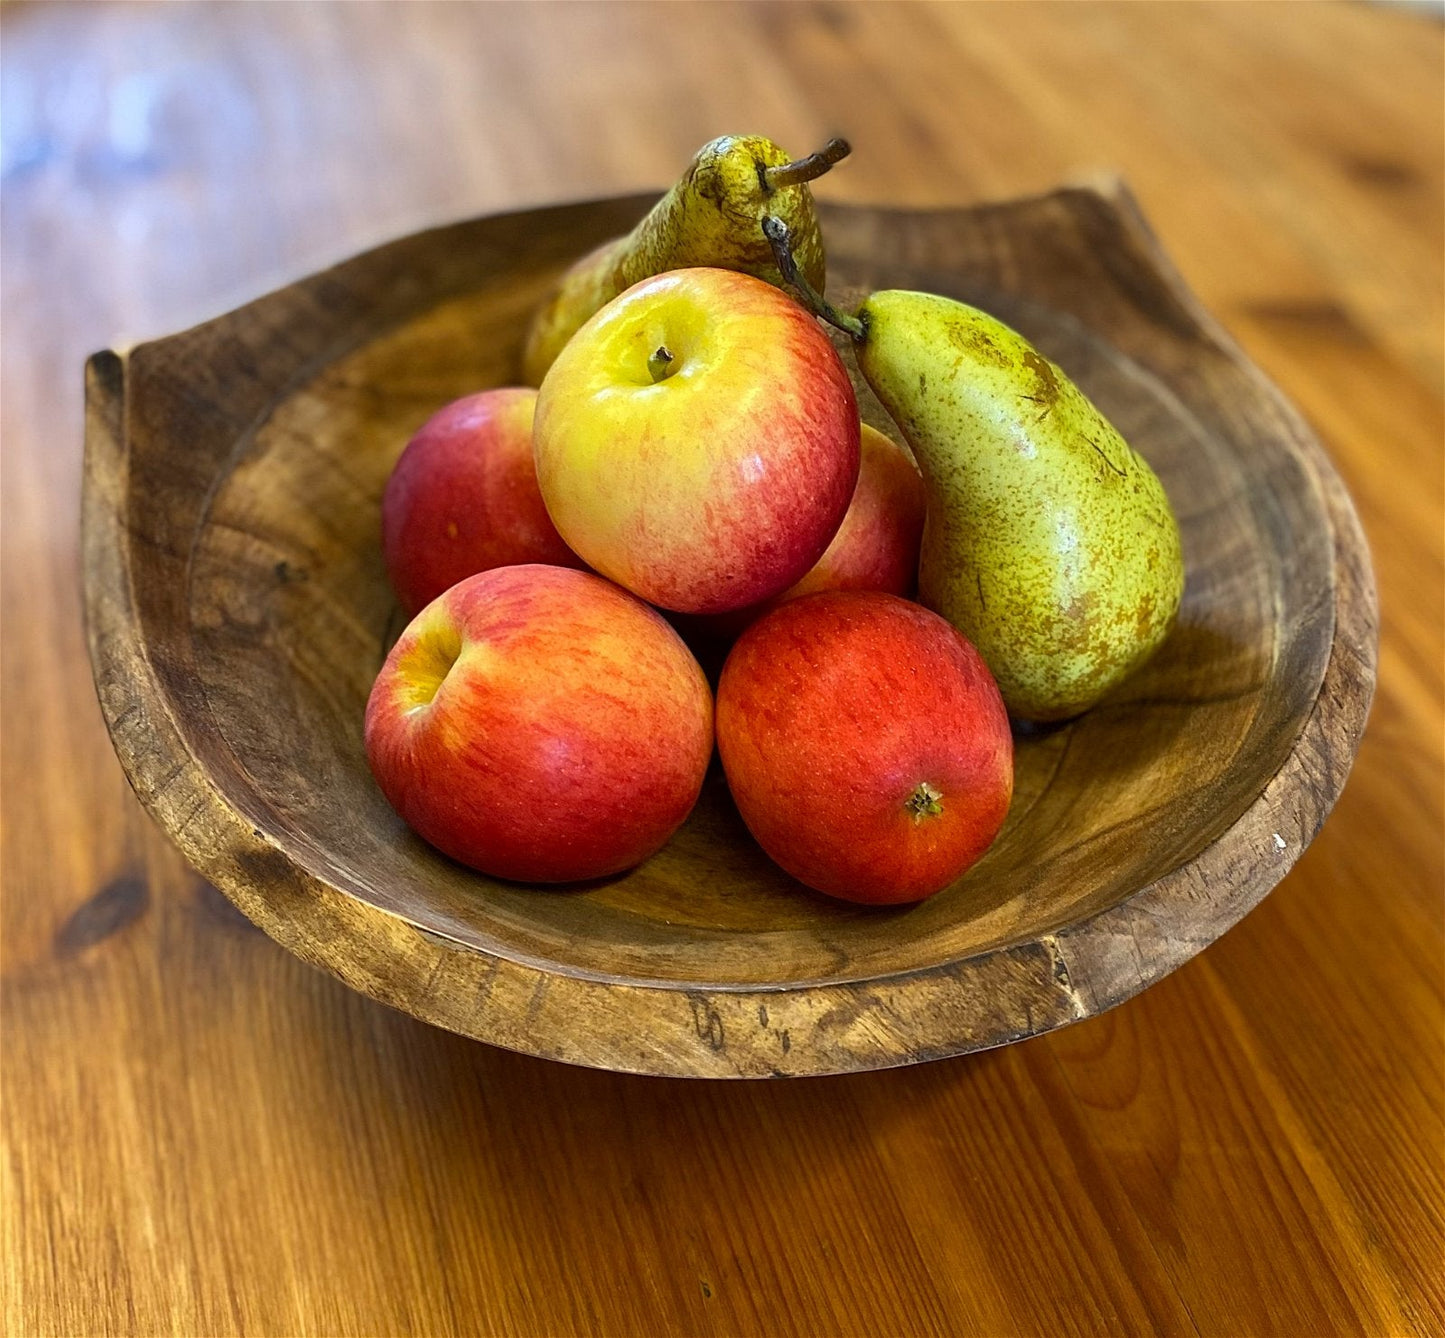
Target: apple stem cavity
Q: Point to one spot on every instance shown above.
(804, 169)
(924, 802)
(776, 231)
(425, 669)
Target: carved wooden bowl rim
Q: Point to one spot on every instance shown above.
(672, 1027)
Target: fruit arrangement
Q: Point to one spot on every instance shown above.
(692, 466)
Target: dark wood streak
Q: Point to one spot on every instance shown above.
(118, 904)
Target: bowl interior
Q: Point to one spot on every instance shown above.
(290, 614)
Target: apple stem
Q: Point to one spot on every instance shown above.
(659, 365)
(776, 231)
(805, 169)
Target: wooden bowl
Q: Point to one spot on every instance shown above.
(238, 610)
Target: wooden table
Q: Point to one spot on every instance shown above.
(203, 1136)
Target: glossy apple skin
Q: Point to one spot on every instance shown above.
(540, 724)
(720, 484)
(834, 712)
(876, 547)
(463, 498)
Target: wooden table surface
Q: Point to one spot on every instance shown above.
(204, 1136)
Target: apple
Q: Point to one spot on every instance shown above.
(463, 498)
(866, 745)
(540, 724)
(697, 440)
(876, 547)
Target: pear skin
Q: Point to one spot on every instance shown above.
(1049, 542)
(712, 217)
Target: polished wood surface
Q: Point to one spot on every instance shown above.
(202, 1135)
(238, 611)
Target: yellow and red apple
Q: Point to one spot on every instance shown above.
(697, 440)
(540, 724)
(866, 745)
(463, 498)
(876, 547)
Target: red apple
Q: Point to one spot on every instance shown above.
(697, 440)
(539, 724)
(876, 547)
(463, 498)
(866, 745)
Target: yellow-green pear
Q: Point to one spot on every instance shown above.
(711, 217)
(1049, 542)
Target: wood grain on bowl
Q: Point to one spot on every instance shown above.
(238, 611)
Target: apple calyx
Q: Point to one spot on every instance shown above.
(660, 364)
(924, 802)
(803, 169)
(776, 231)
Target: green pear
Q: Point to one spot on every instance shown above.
(1049, 542)
(712, 216)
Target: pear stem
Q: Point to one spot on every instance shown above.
(805, 169)
(776, 231)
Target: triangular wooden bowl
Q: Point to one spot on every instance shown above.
(238, 611)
